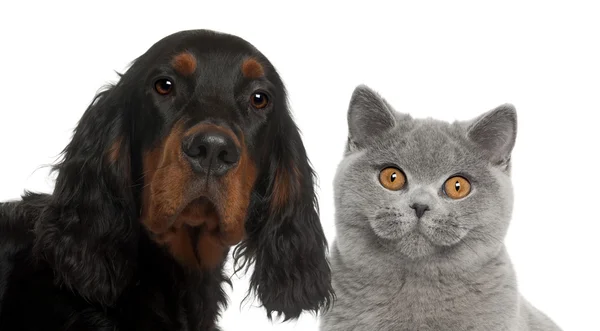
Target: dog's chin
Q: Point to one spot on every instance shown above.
(200, 212)
(194, 238)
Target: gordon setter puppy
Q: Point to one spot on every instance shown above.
(191, 152)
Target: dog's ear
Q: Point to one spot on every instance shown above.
(88, 233)
(285, 239)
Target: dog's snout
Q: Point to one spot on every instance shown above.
(213, 151)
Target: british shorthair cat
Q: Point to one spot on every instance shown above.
(422, 209)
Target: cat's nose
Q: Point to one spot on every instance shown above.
(419, 208)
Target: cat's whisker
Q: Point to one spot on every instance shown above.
(482, 235)
(467, 214)
(464, 242)
(485, 235)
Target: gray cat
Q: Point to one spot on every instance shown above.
(422, 208)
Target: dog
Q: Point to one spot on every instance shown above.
(192, 152)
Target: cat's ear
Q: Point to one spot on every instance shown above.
(495, 132)
(369, 115)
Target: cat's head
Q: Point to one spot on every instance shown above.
(423, 187)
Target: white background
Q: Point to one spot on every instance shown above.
(448, 59)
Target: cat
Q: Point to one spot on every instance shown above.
(422, 208)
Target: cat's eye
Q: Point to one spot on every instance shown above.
(392, 178)
(457, 187)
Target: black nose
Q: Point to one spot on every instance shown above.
(213, 151)
(420, 209)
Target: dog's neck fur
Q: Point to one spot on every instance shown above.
(193, 299)
(162, 294)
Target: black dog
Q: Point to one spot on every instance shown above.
(191, 152)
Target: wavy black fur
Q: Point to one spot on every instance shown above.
(286, 245)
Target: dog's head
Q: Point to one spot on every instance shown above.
(196, 147)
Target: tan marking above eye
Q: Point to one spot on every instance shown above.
(185, 63)
(457, 187)
(252, 69)
(392, 178)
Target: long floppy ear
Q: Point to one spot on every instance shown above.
(495, 133)
(285, 239)
(88, 232)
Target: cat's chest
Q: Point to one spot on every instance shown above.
(424, 303)
(416, 304)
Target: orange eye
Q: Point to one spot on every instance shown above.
(163, 86)
(259, 100)
(457, 187)
(392, 178)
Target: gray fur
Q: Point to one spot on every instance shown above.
(450, 269)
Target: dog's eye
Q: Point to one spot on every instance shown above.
(163, 86)
(457, 187)
(259, 100)
(392, 178)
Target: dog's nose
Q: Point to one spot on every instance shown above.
(420, 209)
(212, 151)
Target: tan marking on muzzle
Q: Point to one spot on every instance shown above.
(169, 209)
(166, 175)
(239, 184)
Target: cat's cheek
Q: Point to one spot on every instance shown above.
(390, 226)
(382, 228)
